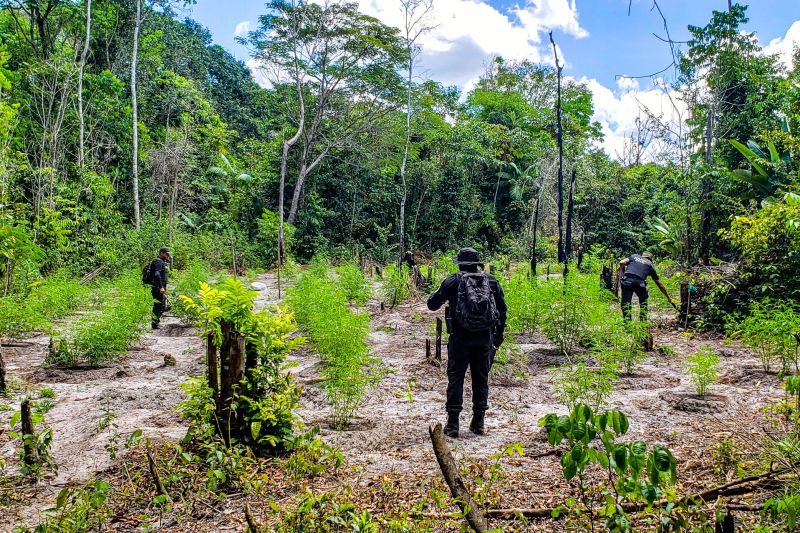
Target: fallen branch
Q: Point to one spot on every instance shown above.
(151, 464)
(733, 488)
(252, 524)
(475, 518)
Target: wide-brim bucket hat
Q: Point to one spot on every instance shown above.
(468, 257)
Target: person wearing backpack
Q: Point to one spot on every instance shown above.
(476, 320)
(156, 275)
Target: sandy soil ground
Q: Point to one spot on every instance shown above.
(390, 434)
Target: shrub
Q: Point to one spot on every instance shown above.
(266, 402)
(526, 304)
(397, 284)
(769, 330)
(123, 310)
(187, 283)
(703, 368)
(339, 336)
(48, 300)
(580, 384)
(355, 285)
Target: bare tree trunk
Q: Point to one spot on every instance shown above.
(535, 226)
(81, 126)
(213, 367)
(298, 189)
(232, 361)
(570, 210)
(560, 140)
(28, 449)
(404, 163)
(135, 104)
(2, 372)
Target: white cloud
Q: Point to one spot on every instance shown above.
(243, 28)
(785, 46)
(468, 33)
(618, 112)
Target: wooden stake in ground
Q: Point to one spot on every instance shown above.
(2, 371)
(438, 339)
(472, 513)
(28, 449)
(213, 367)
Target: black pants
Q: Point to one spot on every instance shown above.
(627, 295)
(158, 305)
(475, 353)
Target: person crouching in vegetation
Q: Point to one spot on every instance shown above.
(635, 271)
(157, 277)
(476, 320)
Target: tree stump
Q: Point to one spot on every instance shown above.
(213, 367)
(232, 360)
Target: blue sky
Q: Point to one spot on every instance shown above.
(597, 38)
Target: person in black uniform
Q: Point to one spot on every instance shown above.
(636, 269)
(466, 346)
(159, 275)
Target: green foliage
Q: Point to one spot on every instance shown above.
(339, 336)
(769, 329)
(269, 396)
(76, 510)
(268, 237)
(357, 288)
(40, 442)
(630, 472)
(703, 368)
(397, 284)
(580, 384)
(48, 300)
(121, 309)
(187, 283)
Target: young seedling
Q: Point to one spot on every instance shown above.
(703, 369)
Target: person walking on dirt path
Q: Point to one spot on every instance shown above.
(476, 320)
(635, 270)
(157, 277)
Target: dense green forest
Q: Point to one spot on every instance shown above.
(205, 174)
(288, 208)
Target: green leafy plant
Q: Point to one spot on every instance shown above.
(627, 472)
(397, 285)
(770, 330)
(39, 442)
(703, 368)
(187, 283)
(339, 336)
(123, 308)
(354, 283)
(76, 510)
(580, 384)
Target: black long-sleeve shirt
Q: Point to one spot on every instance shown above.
(448, 292)
(160, 273)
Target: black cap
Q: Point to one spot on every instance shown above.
(165, 250)
(467, 257)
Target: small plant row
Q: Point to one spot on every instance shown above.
(115, 318)
(339, 336)
(772, 330)
(48, 300)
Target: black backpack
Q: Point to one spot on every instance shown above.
(476, 309)
(147, 274)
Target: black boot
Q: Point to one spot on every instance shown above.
(476, 425)
(451, 429)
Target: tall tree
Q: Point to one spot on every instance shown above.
(415, 25)
(348, 65)
(137, 219)
(82, 66)
(560, 141)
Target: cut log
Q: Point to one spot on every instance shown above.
(474, 516)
